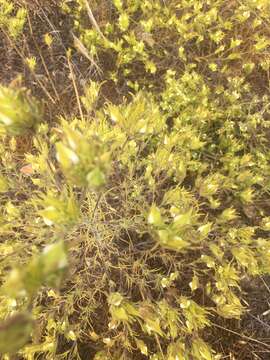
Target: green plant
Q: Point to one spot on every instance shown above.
(159, 201)
(12, 18)
(19, 113)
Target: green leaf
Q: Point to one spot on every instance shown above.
(123, 21)
(183, 220)
(142, 347)
(46, 269)
(201, 351)
(96, 178)
(155, 217)
(171, 241)
(205, 229)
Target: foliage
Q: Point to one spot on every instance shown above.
(11, 18)
(159, 201)
(18, 112)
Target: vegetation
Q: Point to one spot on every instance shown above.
(134, 179)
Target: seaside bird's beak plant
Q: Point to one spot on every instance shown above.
(130, 231)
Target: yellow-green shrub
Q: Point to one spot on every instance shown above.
(160, 200)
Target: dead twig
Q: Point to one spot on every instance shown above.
(93, 20)
(82, 49)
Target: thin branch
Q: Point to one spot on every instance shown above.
(93, 20)
(82, 49)
(75, 86)
(242, 336)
